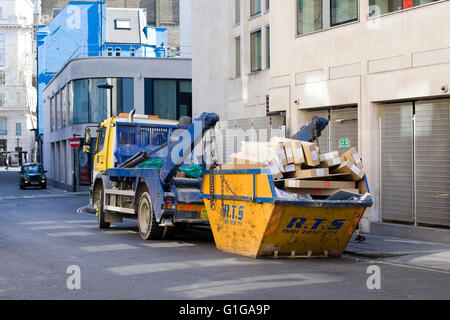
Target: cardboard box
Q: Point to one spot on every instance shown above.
(328, 156)
(333, 162)
(294, 152)
(292, 167)
(244, 158)
(274, 170)
(319, 191)
(319, 184)
(235, 166)
(353, 172)
(353, 156)
(309, 173)
(311, 152)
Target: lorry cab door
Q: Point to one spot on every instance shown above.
(100, 155)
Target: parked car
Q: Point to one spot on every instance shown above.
(33, 175)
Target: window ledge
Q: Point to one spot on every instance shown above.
(327, 29)
(256, 15)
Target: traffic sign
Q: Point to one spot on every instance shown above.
(74, 143)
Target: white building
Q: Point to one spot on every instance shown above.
(379, 70)
(17, 95)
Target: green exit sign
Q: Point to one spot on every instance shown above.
(343, 143)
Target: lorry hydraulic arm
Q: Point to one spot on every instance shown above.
(183, 141)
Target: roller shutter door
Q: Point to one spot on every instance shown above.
(397, 163)
(343, 125)
(432, 162)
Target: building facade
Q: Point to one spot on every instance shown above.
(73, 100)
(377, 69)
(159, 14)
(17, 94)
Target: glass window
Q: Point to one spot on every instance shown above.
(123, 91)
(2, 99)
(267, 5)
(343, 11)
(110, 52)
(268, 47)
(98, 101)
(18, 129)
(64, 106)
(255, 42)
(238, 57)
(3, 130)
(2, 57)
(379, 7)
(117, 51)
(309, 16)
(255, 7)
(1, 13)
(2, 77)
(237, 11)
(165, 99)
(101, 133)
(52, 114)
(57, 111)
(122, 24)
(80, 98)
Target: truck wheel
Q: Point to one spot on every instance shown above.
(100, 211)
(149, 228)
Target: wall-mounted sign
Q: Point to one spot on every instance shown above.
(343, 143)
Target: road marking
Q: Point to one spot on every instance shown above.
(226, 287)
(81, 221)
(37, 222)
(108, 247)
(168, 244)
(170, 266)
(119, 231)
(69, 234)
(51, 227)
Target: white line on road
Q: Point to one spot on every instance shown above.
(51, 227)
(69, 234)
(226, 287)
(81, 221)
(108, 247)
(37, 222)
(169, 266)
(119, 231)
(168, 244)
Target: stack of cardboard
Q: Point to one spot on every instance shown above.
(302, 167)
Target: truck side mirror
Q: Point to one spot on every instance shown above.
(87, 139)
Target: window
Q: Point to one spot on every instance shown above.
(122, 24)
(98, 101)
(255, 7)
(3, 131)
(379, 7)
(2, 77)
(109, 51)
(343, 11)
(101, 133)
(52, 114)
(238, 57)
(55, 12)
(2, 99)
(2, 49)
(255, 50)
(267, 47)
(309, 16)
(117, 52)
(1, 13)
(57, 111)
(315, 15)
(18, 129)
(168, 98)
(237, 11)
(80, 103)
(267, 5)
(64, 106)
(132, 52)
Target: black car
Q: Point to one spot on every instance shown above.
(33, 175)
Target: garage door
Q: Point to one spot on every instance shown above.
(341, 133)
(415, 167)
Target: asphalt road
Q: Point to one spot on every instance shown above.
(45, 244)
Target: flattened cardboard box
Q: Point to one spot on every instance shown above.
(319, 191)
(354, 173)
(311, 152)
(292, 167)
(309, 173)
(331, 162)
(243, 158)
(279, 149)
(328, 156)
(353, 156)
(319, 184)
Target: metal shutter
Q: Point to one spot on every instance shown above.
(343, 124)
(324, 143)
(432, 162)
(397, 162)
